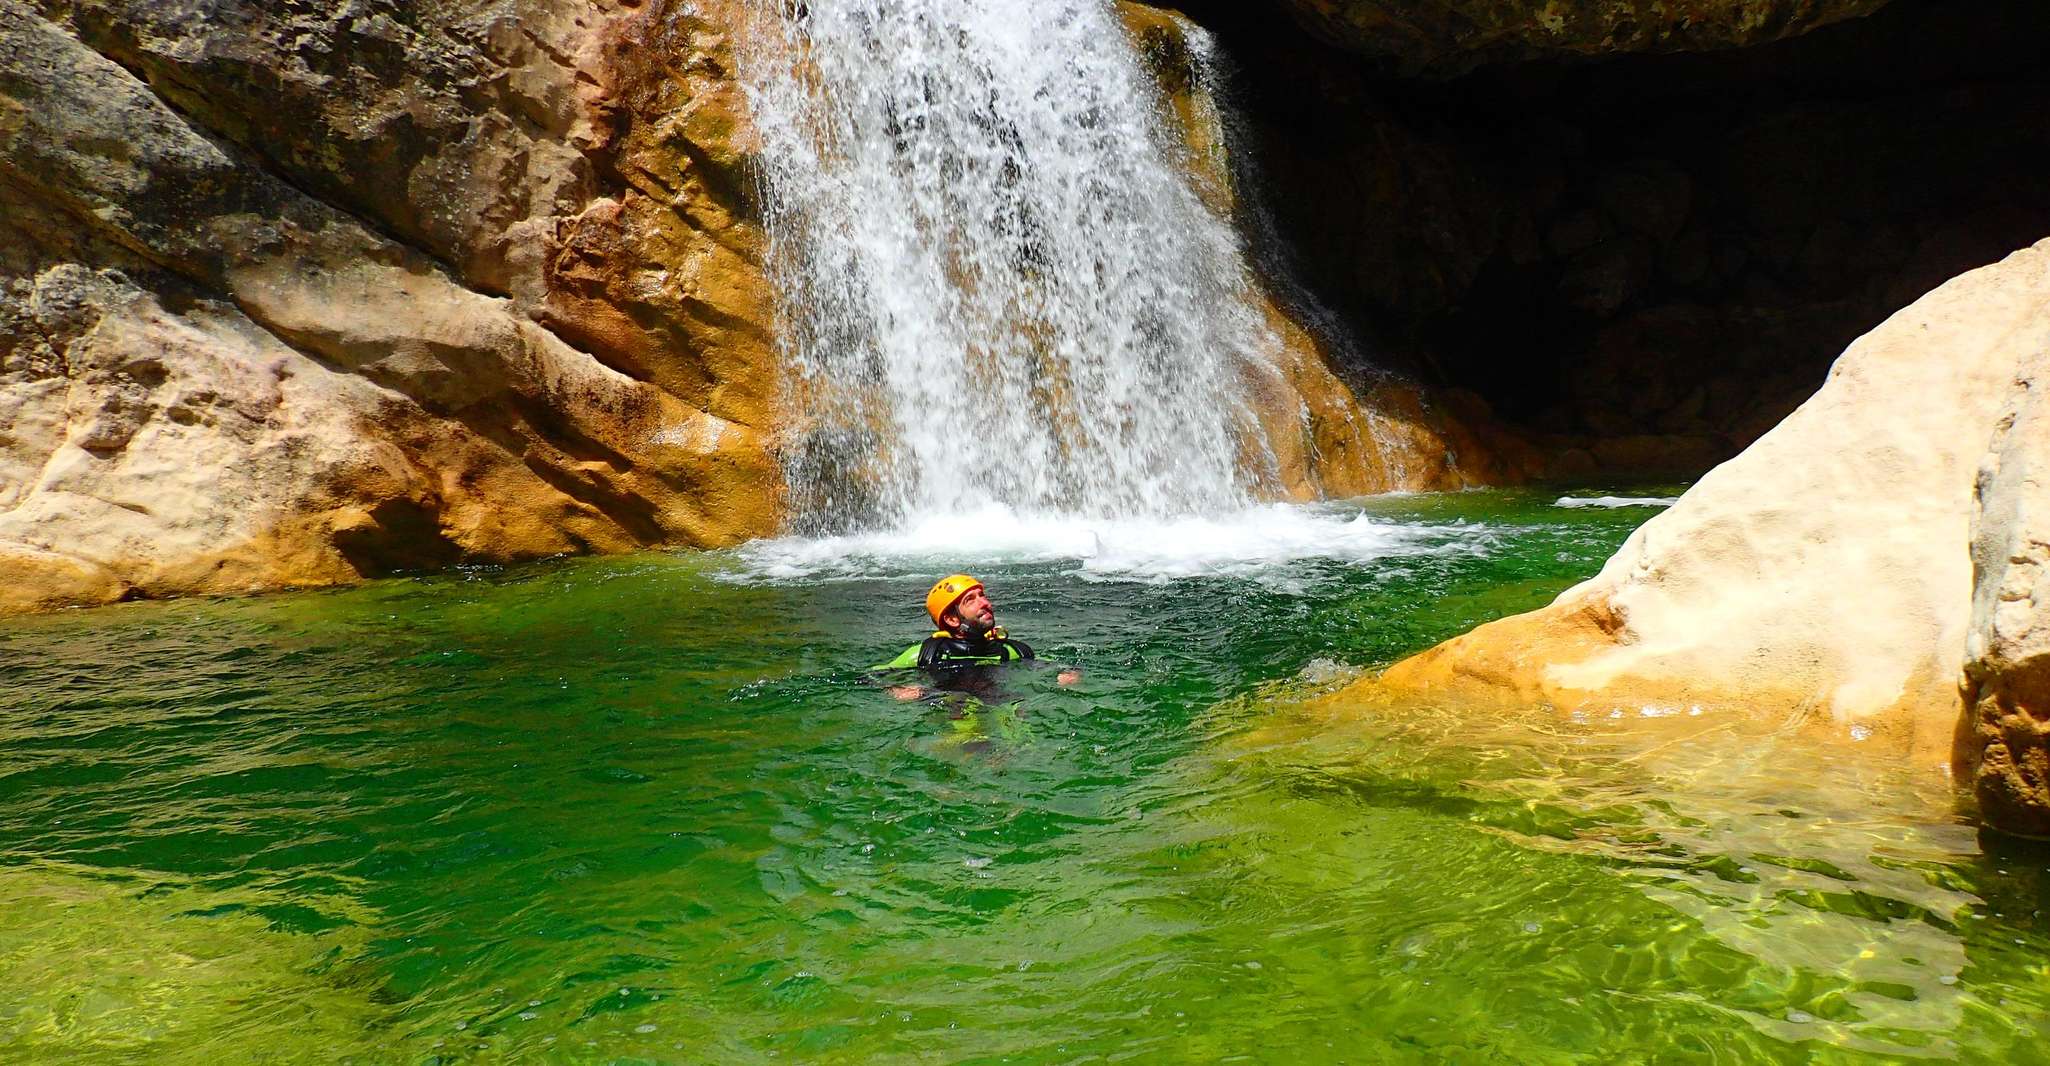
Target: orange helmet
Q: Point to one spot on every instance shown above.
(947, 593)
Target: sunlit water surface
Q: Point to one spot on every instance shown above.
(652, 809)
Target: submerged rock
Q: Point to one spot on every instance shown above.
(1826, 573)
(111, 970)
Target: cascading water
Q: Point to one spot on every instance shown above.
(999, 288)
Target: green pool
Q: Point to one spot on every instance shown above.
(652, 809)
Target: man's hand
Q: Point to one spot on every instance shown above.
(906, 692)
(1068, 677)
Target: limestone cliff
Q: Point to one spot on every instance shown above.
(295, 295)
(1828, 570)
(292, 296)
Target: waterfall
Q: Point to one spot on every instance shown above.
(998, 286)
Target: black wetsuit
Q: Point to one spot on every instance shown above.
(963, 664)
(950, 652)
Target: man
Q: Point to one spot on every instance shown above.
(968, 637)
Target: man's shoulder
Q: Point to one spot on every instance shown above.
(909, 657)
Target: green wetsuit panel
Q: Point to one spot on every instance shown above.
(905, 661)
(941, 653)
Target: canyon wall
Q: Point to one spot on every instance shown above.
(294, 297)
(2003, 737)
(1334, 423)
(297, 296)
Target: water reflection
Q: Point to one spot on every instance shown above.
(1819, 898)
(625, 809)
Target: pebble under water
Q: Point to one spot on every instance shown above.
(652, 809)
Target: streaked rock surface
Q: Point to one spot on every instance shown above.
(295, 296)
(2004, 739)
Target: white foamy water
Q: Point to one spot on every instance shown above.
(1615, 501)
(998, 285)
(1262, 543)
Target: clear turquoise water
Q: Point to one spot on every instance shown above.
(651, 809)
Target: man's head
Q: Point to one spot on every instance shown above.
(961, 606)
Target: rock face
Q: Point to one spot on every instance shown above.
(1329, 437)
(293, 296)
(2004, 738)
(1826, 570)
(1447, 36)
(1649, 260)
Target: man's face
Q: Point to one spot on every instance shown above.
(977, 616)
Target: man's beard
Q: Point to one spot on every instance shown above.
(975, 630)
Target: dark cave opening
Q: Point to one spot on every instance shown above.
(1656, 247)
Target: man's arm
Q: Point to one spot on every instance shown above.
(905, 660)
(1068, 675)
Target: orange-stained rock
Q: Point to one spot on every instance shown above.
(664, 279)
(291, 296)
(1823, 576)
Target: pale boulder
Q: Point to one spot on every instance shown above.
(1823, 573)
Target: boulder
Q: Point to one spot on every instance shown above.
(1826, 572)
